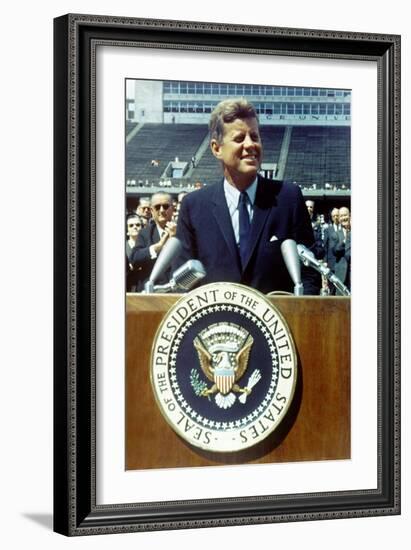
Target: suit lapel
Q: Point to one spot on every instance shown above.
(155, 234)
(222, 217)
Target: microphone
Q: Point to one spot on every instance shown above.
(308, 259)
(184, 278)
(170, 250)
(291, 260)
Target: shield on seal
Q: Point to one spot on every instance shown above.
(224, 379)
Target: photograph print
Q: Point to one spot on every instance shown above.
(238, 273)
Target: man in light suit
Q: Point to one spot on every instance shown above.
(340, 244)
(153, 237)
(236, 227)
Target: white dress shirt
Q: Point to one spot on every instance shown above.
(232, 196)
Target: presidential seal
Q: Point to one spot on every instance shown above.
(223, 367)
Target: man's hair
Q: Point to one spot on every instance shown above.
(228, 111)
(160, 194)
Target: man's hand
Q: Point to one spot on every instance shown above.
(171, 228)
(170, 231)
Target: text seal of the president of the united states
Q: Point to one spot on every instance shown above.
(223, 367)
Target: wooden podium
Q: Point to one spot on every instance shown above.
(317, 426)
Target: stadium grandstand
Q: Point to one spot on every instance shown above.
(305, 134)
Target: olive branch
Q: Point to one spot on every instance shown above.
(197, 384)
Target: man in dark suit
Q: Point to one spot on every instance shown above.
(153, 237)
(236, 227)
(318, 249)
(329, 237)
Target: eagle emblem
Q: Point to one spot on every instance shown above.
(223, 352)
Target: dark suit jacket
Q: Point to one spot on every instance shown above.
(206, 232)
(318, 248)
(133, 276)
(140, 255)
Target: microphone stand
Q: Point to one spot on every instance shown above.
(299, 289)
(292, 262)
(148, 287)
(325, 271)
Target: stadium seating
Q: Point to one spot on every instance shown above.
(162, 143)
(207, 169)
(319, 155)
(130, 126)
(272, 137)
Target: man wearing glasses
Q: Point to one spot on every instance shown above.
(144, 210)
(153, 237)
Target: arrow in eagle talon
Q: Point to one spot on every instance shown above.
(252, 381)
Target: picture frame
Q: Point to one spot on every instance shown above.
(76, 41)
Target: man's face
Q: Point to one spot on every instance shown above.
(345, 219)
(144, 209)
(310, 207)
(335, 217)
(161, 209)
(133, 227)
(240, 151)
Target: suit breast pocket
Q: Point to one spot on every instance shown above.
(273, 239)
(271, 246)
(271, 251)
